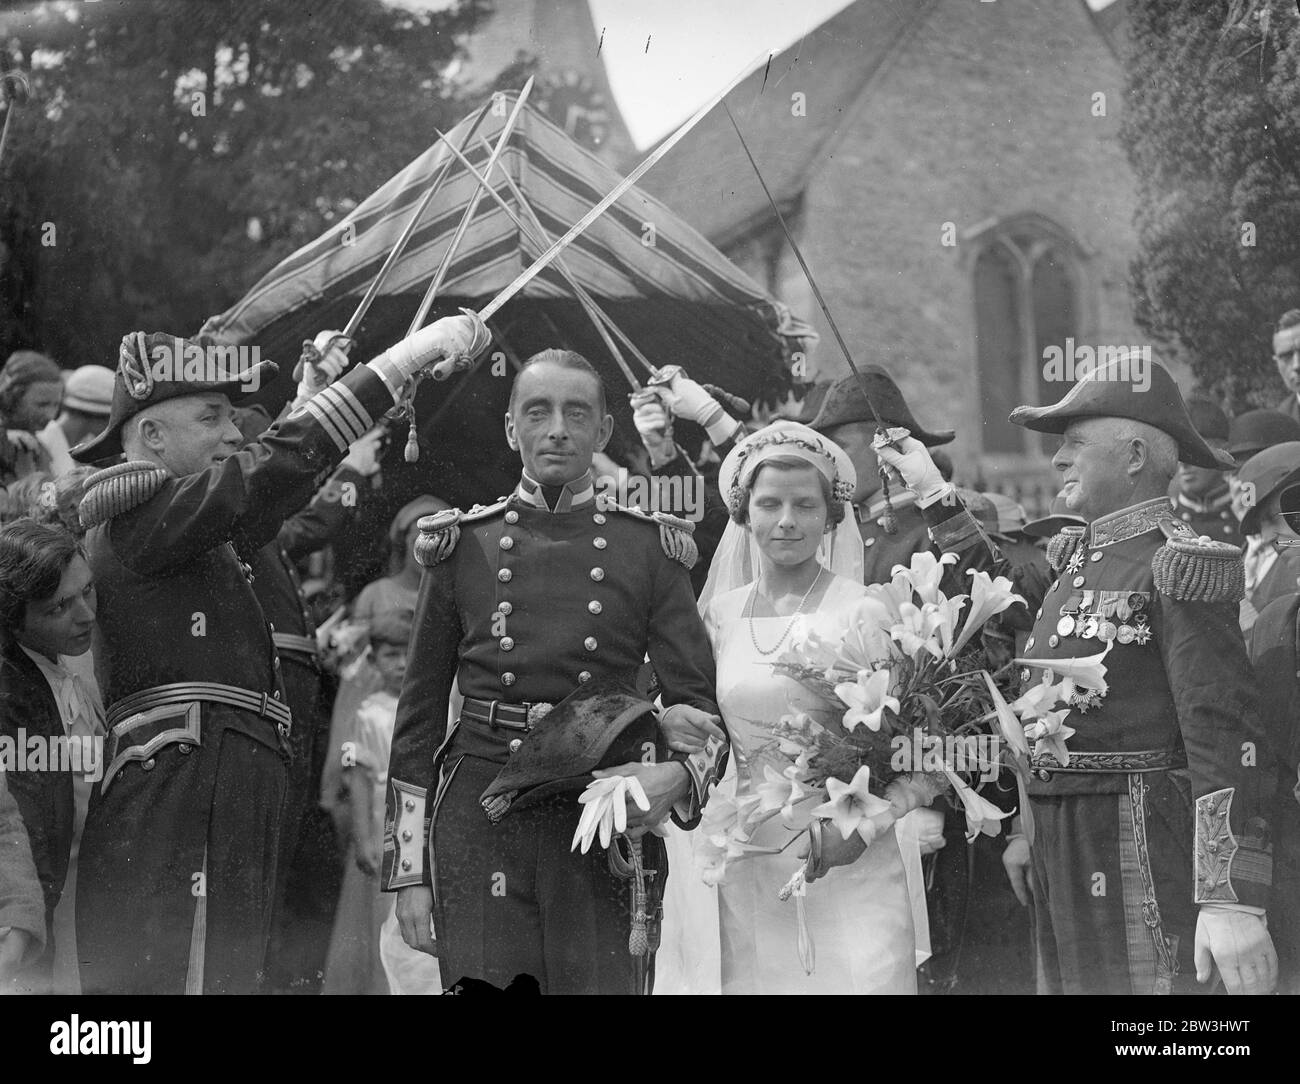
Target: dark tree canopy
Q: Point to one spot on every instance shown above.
(1213, 132)
(174, 152)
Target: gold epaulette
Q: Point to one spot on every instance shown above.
(440, 532)
(1197, 569)
(118, 489)
(1062, 545)
(676, 535)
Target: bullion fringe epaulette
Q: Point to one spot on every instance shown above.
(1192, 569)
(1062, 546)
(440, 532)
(676, 535)
(118, 489)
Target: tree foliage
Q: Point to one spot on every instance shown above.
(1213, 132)
(175, 151)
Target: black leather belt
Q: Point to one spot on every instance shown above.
(500, 713)
(287, 641)
(1140, 760)
(262, 704)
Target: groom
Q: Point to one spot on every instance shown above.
(521, 603)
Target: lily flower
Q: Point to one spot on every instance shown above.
(851, 807)
(894, 594)
(812, 643)
(945, 615)
(988, 597)
(1087, 672)
(1049, 734)
(1013, 732)
(1037, 700)
(981, 814)
(867, 698)
(866, 642)
(926, 572)
(915, 632)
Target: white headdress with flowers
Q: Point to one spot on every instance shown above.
(736, 561)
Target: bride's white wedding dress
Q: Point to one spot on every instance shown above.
(739, 937)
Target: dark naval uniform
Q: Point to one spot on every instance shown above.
(178, 860)
(293, 632)
(1160, 808)
(1213, 518)
(520, 604)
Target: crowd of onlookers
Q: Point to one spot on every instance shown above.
(49, 687)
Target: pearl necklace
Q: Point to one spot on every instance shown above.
(749, 612)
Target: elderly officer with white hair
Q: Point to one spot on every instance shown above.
(1152, 859)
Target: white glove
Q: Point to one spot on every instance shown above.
(929, 829)
(321, 374)
(909, 459)
(451, 337)
(1237, 942)
(908, 793)
(687, 399)
(655, 425)
(363, 456)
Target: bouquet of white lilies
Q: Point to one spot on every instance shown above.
(903, 710)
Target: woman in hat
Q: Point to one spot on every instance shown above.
(790, 554)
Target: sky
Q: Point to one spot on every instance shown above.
(694, 48)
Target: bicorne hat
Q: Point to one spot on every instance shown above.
(601, 724)
(1112, 390)
(154, 367)
(846, 401)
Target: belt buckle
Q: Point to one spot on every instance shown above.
(492, 714)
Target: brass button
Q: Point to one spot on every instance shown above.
(512, 516)
(584, 677)
(599, 542)
(275, 662)
(276, 694)
(1039, 614)
(598, 574)
(598, 519)
(505, 575)
(410, 805)
(406, 836)
(1097, 556)
(406, 865)
(1024, 673)
(505, 608)
(507, 643)
(515, 743)
(1029, 643)
(185, 748)
(594, 606)
(507, 678)
(1078, 581)
(589, 643)
(868, 541)
(149, 764)
(1044, 774)
(270, 627)
(1053, 640)
(507, 543)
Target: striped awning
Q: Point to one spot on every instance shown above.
(676, 296)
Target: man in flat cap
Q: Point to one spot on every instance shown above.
(1152, 860)
(1286, 355)
(178, 859)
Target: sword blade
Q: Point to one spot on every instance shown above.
(537, 236)
(794, 246)
(427, 302)
(612, 197)
(373, 290)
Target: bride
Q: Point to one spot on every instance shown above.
(786, 488)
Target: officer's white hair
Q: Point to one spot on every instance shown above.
(1162, 448)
